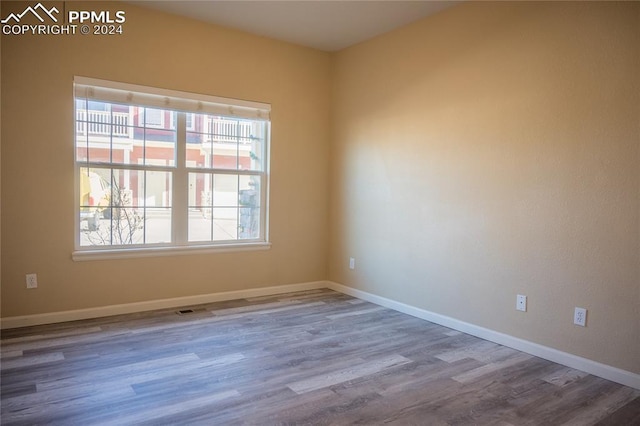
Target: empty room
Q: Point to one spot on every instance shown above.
(320, 212)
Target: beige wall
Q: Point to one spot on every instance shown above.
(491, 150)
(169, 52)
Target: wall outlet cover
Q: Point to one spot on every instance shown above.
(32, 281)
(521, 303)
(580, 317)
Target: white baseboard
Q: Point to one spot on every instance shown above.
(608, 372)
(128, 308)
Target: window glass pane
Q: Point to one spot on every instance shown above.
(160, 147)
(93, 231)
(249, 194)
(249, 226)
(81, 109)
(135, 208)
(157, 191)
(94, 198)
(82, 143)
(200, 185)
(99, 146)
(128, 146)
(99, 130)
(127, 188)
(200, 197)
(249, 201)
(120, 121)
(222, 129)
(157, 225)
(225, 190)
(225, 223)
(252, 148)
(127, 226)
(94, 187)
(225, 134)
(98, 115)
(122, 137)
(152, 117)
(82, 150)
(126, 217)
(98, 106)
(225, 154)
(200, 224)
(199, 150)
(199, 143)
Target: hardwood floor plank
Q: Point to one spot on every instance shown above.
(354, 313)
(401, 407)
(471, 351)
(25, 361)
(564, 403)
(261, 307)
(476, 373)
(340, 376)
(58, 342)
(603, 406)
(564, 376)
(101, 373)
(49, 336)
(11, 354)
(13, 390)
(628, 414)
(47, 410)
(161, 411)
(299, 295)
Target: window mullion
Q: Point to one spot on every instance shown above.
(179, 189)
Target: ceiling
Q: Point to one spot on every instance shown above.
(326, 25)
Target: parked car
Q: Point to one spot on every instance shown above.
(94, 198)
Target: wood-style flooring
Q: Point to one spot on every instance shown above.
(310, 358)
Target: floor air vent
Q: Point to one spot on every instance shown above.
(185, 311)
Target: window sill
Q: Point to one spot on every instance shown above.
(109, 254)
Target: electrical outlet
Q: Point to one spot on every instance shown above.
(521, 303)
(352, 263)
(580, 317)
(32, 281)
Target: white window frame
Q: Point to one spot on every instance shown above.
(181, 103)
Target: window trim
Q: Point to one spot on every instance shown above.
(112, 91)
(156, 251)
(176, 102)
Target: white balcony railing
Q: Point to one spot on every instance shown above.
(230, 131)
(102, 123)
(214, 129)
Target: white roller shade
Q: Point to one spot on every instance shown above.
(133, 94)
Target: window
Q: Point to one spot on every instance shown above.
(191, 122)
(159, 169)
(152, 117)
